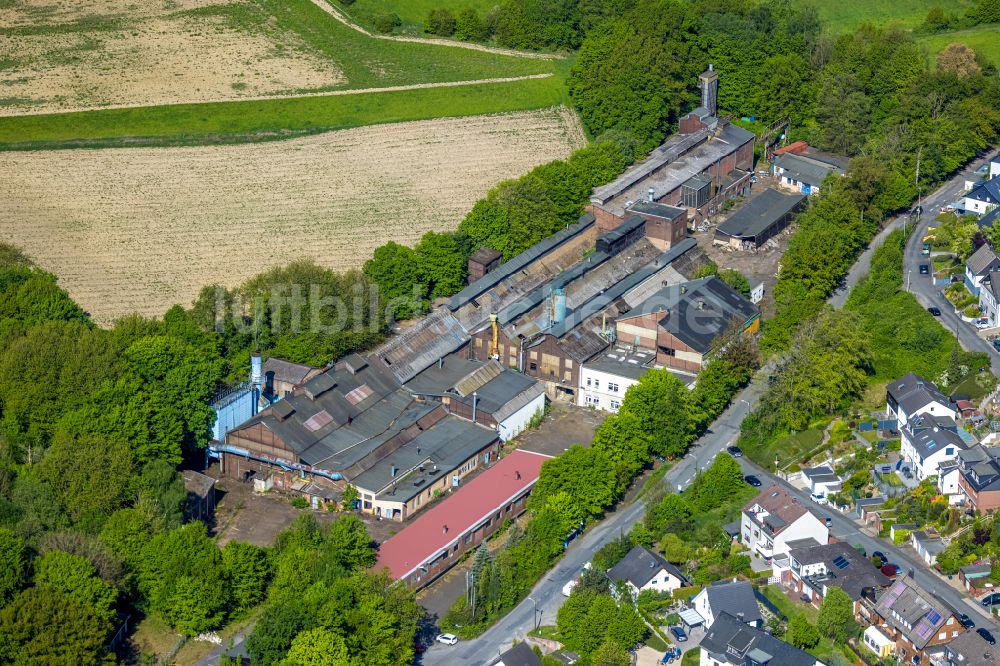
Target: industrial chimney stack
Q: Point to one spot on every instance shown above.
(709, 83)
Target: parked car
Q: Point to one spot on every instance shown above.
(734, 451)
(991, 600)
(934, 310)
(567, 589)
(752, 480)
(982, 323)
(679, 634)
(924, 269)
(819, 498)
(985, 634)
(829, 521)
(447, 639)
(926, 249)
(996, 345)
(966, 621)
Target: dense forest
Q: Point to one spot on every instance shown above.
(94, 422)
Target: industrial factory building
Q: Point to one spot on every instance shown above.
(697, 169)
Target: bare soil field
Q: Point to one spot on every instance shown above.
(64, 55)
(139, 229)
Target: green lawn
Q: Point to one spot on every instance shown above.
(237, 122)
(369, 62)
(983, 39)
(789, 449)
(846, 15)
(410, 12)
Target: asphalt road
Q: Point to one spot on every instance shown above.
(848, 531)
(922, 286)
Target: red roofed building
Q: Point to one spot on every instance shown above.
(436, 540)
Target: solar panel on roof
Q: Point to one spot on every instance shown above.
(841, 562)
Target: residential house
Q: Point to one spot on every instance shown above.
(822, 480)
(979, 478)
(804, 173)
(977, 578)
(758, 220)
(948, 484)
(928, 441)
(482, 391)
(756, 291)
(730, 642)
(912, 395)
(979, 265)
(814, 569)
(983, 197)
(736, 598)
(928, 546)
(436, 539)
(989, 296)
(641, 569)
(519, 655)
(706, 162)
(774, 519)
(917, 623)
(969, 649)
(355, 424)
(682, 322)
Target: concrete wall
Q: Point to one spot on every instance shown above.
(515, 424)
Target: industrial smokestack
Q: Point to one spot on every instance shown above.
(475, 401)
(256, 369)
(709, 84)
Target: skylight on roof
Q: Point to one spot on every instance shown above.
(841, 562)
(358, 394)
(317, 420)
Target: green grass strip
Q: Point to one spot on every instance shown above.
(247, 121)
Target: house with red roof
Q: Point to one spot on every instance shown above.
(436, 540)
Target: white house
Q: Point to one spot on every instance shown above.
(989, 297)
(822, 480)
(947, 481)
(734, 597)
(928, 442)
(642, 569)
(982, 262)
(994, 168)
(774, 519)
(756, 291)
(983, 197)
(912, 395)
(604, 379)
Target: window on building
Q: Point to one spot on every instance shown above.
(613, 387)
(668, 351)
(615, 404)
(597, 384)
(588, 382)
(950, 451)
(533, 366)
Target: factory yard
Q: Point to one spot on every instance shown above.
(57, 55)
(139, 229)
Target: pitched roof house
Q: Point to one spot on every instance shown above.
(812, 570)
(982, 262)
(737, 598)
(979, 478)
(911, 395)
(774, 521)
(519, 655)
(804, 173)
(969, 649)
(918, 623)
(730, 641)
(929, 442)
(642, 569)
(983, 197)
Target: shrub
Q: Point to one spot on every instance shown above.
(440, 22)
(300, 502)
(386, 23)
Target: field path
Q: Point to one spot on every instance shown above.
(259, 98)
(337, 14)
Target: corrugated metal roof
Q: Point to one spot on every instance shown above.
(432, 337)
(478, 377)
(760, 213)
